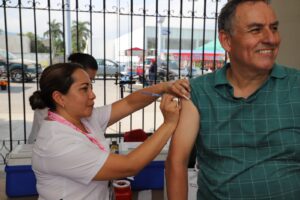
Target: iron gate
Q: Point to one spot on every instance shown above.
(47, 31)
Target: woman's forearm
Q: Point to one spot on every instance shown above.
(145, 96)
(120, 166)
(147, 151)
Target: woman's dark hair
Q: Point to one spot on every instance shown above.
(86, 60)
(226, 16)
(57, 77)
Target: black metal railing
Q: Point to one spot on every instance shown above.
(5, 149)
(51, 35)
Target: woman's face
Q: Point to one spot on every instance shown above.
(79, 101)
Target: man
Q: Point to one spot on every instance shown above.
(248, 137)
(152, 71)
(87, 61)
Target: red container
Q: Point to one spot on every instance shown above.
(122, 190)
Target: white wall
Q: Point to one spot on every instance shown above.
(14, 43)
(288, 13)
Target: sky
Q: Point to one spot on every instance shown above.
(114, 25)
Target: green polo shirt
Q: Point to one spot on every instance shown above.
(248, 148)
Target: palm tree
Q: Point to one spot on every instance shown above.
(56, 36)
(83, 35)
(41, 48)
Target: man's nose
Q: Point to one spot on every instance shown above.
(270, 36)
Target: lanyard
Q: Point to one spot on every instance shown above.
(55, 117)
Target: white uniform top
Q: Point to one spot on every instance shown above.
(38, 118)
(65, 161)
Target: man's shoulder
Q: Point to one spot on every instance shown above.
(287, 76)
(289, 69)
(292, 70)
(203, 79)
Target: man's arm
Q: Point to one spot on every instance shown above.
(181, 146)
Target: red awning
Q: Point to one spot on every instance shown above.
(134, 49)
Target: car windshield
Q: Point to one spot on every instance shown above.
(107, 61)
(172, 65)
(10, 55)
(100, 61)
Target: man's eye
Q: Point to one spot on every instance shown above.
(275, 28)
(255, 30)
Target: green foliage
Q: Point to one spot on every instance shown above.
(56, 37)
(80, 30)
(41, 48)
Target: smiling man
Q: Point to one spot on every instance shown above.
(244, 119)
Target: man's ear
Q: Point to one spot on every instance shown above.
(58, 98)
(225, 40)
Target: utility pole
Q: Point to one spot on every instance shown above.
(68, 33)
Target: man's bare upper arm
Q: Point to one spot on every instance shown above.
(186, 132)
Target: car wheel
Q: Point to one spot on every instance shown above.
(16, 75)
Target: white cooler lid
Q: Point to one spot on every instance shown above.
(126, 147)
(20, 155)
(21, 151)
(18, 162)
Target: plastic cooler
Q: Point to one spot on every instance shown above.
(20, 179)
(151, 177)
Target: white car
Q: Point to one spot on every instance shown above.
(111, 68)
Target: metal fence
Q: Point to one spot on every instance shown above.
(169, 31)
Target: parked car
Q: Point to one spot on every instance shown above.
(184, 72)
(3, 78)
(196, 71)
(111, 68)
(16, 69)
(171, 70)
(3, 74)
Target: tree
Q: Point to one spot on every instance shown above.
(56, 37)
(83, 35)
(41, 48)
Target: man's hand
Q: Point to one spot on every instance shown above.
(180, 88)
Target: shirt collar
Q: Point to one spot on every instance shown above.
(220, 77)
(278, 72)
